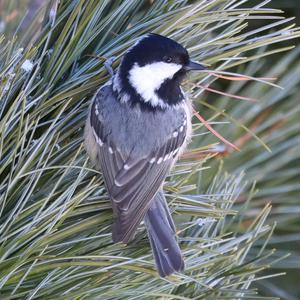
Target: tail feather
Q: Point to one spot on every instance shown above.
(162, 235)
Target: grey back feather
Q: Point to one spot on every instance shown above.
(128, 125)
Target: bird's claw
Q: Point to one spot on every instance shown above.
(108, 65)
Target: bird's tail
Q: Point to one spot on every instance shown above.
(162, 236)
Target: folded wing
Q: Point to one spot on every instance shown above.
(132, 182)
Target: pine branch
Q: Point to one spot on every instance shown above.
(54, 213)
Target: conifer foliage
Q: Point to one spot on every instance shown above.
(55, 217)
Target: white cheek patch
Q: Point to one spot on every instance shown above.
(145, 80)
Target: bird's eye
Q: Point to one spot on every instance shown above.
(168, 59)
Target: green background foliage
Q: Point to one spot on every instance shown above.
(55, 217)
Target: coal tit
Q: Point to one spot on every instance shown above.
(138, 124)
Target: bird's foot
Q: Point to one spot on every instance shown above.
(108, 65)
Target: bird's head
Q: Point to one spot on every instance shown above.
(151, 72)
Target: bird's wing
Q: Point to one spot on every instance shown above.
(131, 182)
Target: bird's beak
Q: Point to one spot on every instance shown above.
(194, 66)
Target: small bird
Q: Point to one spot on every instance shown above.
(137, 126)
